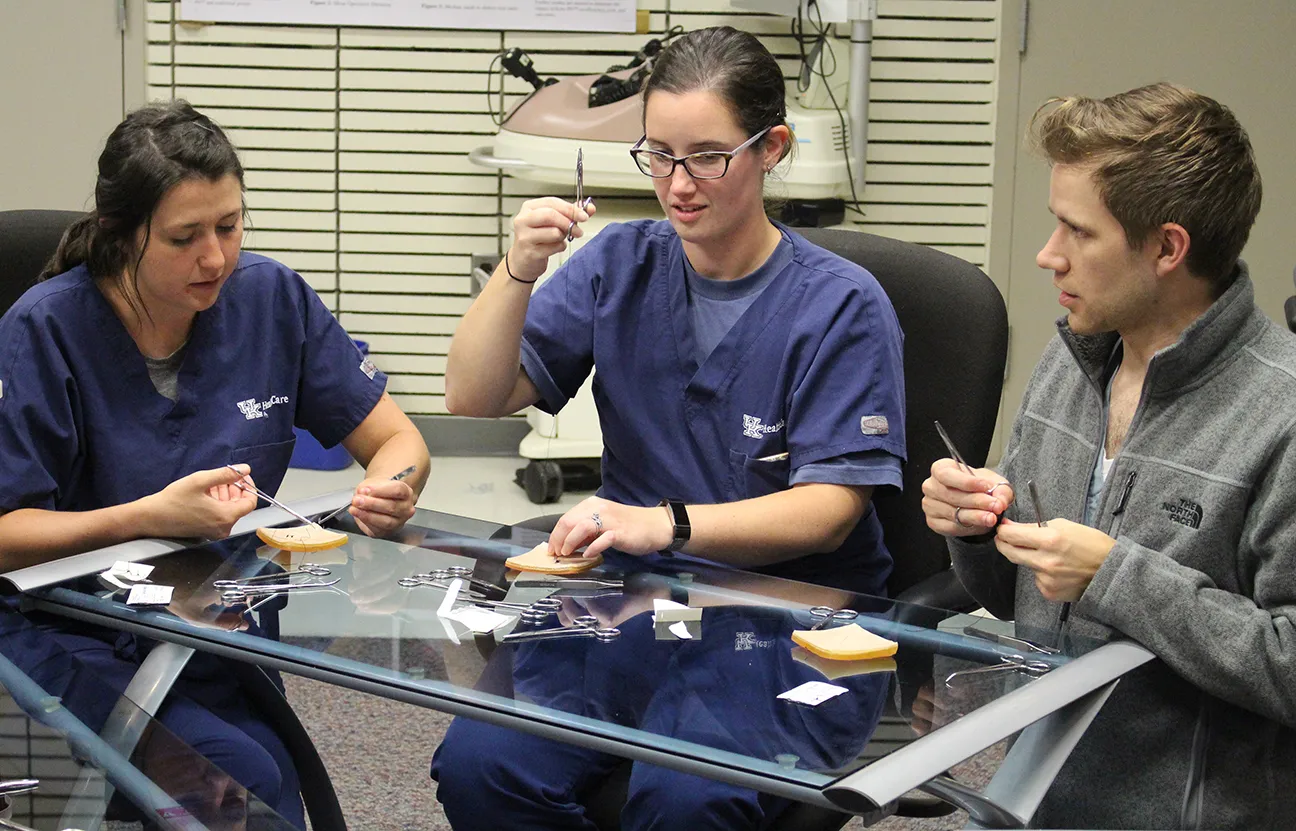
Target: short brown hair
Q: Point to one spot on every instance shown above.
(1162, 153)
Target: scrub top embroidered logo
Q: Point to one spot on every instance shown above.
(368, 368)
(754, 428)
(747, 641)
(874, 425)
(253, 409)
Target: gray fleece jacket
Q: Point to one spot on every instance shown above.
(1203, 572)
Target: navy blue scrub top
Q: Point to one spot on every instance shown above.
(82, 426)
(813, 369)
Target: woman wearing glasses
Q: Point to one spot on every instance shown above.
(749, 387)
(741, 371)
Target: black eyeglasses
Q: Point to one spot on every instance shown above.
(710, 164)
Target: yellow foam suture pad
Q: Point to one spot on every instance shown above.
(851, 642)
(833, 670)
(541, 561)
(302, 538)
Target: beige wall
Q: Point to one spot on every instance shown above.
(69, 75)
(1242, 52)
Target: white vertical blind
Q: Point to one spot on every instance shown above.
(356, 140)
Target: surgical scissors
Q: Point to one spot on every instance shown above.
(827, 614)
(240, 593)
(449, 573)
(585, 626)
(1008, 663)
(304, 568)
(581, 202)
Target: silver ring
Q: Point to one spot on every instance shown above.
(997, 486)
(598, 523)
(959, 519)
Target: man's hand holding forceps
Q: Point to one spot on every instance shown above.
(961, 501)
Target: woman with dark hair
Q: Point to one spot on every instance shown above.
(749, 388)
(153, 354)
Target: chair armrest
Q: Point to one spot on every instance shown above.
(1291, 313)
(939, 591)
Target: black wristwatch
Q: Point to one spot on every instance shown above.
(679, 515)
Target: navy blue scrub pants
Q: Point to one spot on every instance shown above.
(206, 708)
(719, 691)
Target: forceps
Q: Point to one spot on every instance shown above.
(399, 476)
(1008, 640)
(304, 568)
(1009, 663)
(1035, 500)
(267, 497)
(585, 626)
(953, 451)
(826, 614)
(581, 201)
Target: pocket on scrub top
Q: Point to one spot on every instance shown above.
(759, 476)
(269, 462)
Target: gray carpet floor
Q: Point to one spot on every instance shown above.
(377, 753)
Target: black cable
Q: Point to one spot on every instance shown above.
(497, 118)
(821, 44)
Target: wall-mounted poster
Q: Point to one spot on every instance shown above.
(514, 15)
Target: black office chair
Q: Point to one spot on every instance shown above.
(956, 347)
(27, 240)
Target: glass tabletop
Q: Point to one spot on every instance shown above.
(56, 773)
(700, 686)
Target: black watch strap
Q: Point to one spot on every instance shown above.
(679, 515)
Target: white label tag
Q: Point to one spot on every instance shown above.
(813, 692)
(149, 595)
(135, 572)
(479, 620)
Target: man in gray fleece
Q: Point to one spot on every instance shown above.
(1160, 429)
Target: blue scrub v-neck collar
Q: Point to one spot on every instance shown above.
(714, 373)
(131, 360)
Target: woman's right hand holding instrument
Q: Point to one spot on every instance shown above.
(963, 503)
(205, 504)
(540, 231)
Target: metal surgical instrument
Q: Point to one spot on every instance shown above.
(304, 568)
(581, 202)
(1009, 663)
(399, 476)
(585, 626)
(267, 497)
(826, 614)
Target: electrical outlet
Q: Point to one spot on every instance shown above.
(481, 268)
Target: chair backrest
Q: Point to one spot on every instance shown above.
(1290, 308)
(956, 346)
(27, 240)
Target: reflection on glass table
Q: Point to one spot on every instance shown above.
(431, 617)
(65, 776)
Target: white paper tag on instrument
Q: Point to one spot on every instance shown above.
(479, 620)
(135, 572)
(813, 692)
(149, 595)
(680, 630)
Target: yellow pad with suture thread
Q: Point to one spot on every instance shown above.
(541, 561)
(302, 538)
(851, 642)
